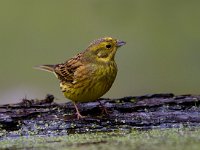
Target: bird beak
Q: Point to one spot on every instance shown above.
(120, 43)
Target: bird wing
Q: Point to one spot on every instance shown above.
(66, 71)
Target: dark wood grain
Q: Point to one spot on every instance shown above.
(44, 117)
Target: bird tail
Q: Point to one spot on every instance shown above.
(49, 68)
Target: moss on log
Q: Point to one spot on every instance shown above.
(45, 117)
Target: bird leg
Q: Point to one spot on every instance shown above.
(79, 116)
(104, 110)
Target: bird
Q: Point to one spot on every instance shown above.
(88, 75)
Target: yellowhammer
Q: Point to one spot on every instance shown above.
(90, 74)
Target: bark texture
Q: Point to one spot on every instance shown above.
(45, 117)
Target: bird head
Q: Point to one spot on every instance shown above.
(104, 49)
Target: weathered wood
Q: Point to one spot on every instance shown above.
(45, 117)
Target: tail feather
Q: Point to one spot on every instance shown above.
(49, 68)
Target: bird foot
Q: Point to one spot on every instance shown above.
(79, 116)
(104, 110)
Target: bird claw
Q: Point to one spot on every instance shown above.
(104, 110)
(79, 116)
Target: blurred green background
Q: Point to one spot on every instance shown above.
(161, 55)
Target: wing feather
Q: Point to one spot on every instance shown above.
(66, 71)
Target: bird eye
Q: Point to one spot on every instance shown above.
(108, 46)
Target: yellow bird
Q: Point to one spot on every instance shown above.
(90, 74)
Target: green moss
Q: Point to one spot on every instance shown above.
(133, 100)
(184, 138)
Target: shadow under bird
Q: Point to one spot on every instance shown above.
(90, 74)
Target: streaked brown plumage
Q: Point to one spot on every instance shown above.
(90, 74)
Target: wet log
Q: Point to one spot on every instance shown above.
(46, 117)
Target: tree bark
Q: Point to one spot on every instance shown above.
(44, 117)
